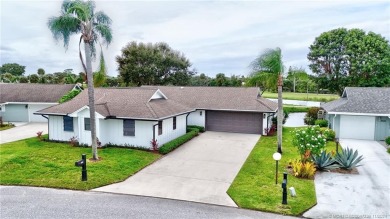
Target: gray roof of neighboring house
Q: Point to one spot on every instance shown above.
(220, 98)
(26, 92)
(364, 100)
(137, 103)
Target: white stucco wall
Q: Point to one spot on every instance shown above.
(85, 135)
(196, 119)
(56, 129)
(168, 132)
(266, 121)
(111, 131)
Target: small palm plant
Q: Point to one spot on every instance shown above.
(348, 159)
(324, 161)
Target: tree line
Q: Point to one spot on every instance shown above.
(338, 58)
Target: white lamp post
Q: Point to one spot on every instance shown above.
(277, 156)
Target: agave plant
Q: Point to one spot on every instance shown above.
(324, 161)
(348, 159)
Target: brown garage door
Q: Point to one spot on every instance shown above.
(240, 122)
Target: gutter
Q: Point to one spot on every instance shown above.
(187, 119)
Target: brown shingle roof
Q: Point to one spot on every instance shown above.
(135, 102)
(42, 93)
(220, 98)
(122, 103)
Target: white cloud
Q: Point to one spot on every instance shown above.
(215, 36)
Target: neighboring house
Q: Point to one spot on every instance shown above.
(135, 116)
(360, 113)
(18, 102)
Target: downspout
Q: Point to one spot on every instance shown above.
(154, 131)
(187, 120)
(334, 125)
(48, 137)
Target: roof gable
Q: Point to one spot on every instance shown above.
(157, 95)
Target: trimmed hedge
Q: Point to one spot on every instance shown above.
(387, 140)
(200, 128)
(321, 122)
(175, 143)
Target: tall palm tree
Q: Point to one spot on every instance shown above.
(270, 63)
(79, 17)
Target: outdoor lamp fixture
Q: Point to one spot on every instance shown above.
(337, 144)
(277, 156)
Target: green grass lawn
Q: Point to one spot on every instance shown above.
(295, 109)
(38, 163)
(255, 188)
(303, 96)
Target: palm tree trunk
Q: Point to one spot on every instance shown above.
(280, 113)
(91, 98)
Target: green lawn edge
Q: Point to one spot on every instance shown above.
(303, 96)
(31, 162)
(254, 186)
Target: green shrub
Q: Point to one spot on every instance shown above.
(200, 128)
(328, 133)
(295, 109)
(311, 115)
(321, 122)
(387, 140)
(70, 95)
(303, 169)
(348, 159)
(309, 141)
(175, 143)
(324, 161)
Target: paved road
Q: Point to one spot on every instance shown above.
(30, 202)
(360, 195)
(22, 131)
(200, 170)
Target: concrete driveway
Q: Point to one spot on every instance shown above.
(22, 131)
(359, 195)
(200, 170)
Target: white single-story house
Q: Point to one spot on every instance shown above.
(360, 113)
(135, 116)
(19, 102)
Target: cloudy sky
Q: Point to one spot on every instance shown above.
(216, 36)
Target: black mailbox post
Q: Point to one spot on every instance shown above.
(284, 186)
(83, 164)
